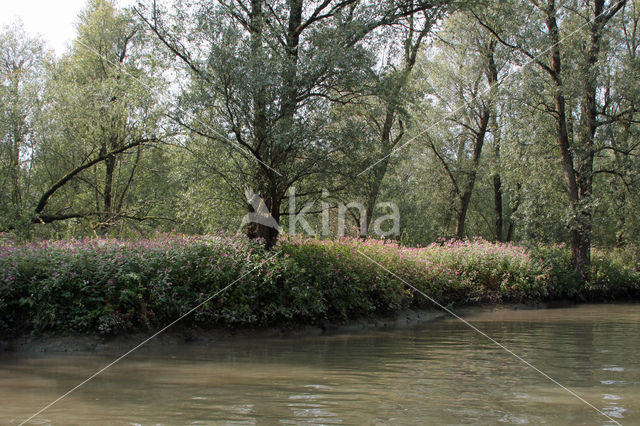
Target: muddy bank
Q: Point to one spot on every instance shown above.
(186, 335)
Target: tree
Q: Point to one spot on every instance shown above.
(619, 145)
(460, 84)
(264, 76)
(23, 62)
(576, 123)
(372, 128)
(102, 116)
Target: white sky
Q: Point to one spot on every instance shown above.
(53, 20)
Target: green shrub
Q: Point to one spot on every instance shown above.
(109, 286)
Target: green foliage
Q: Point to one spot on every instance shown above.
(115, 286)
(23, 64)
(80, 149)
(111, 286)
(614, 273)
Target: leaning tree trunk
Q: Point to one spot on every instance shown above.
(379, 171)
(393, 103)
(462, 214)
(465, 197)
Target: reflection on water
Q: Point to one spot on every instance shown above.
(437, 373)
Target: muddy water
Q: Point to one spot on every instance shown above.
(437, 373)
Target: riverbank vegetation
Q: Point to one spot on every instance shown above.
(109, 286)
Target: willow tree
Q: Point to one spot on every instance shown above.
(23, 65)
(458, 112)
(264, 76)
(368, 132)
(101, 117)
(567, 44)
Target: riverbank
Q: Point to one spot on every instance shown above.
(110, 288)
(181, 335)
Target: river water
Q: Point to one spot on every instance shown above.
(441, 372)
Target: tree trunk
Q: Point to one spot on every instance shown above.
(462, 214)
(579, 175)
(588, 127)
(516, 205)
(17, 122)
(110, 166)
(380, 170)
(265, 231)
(272, 186)
(492, 80)
(289, 106)
(465, 198)
(497, 207)
(393, 102)
(580, 240)
(257, 230)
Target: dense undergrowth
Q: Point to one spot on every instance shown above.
(109, 286)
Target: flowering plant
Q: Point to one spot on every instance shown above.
(111, 286)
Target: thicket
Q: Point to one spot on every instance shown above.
(108, 286)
